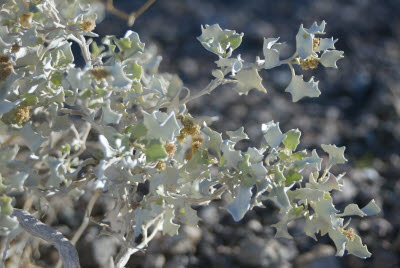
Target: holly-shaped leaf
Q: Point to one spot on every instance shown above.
(271, 51)
(330, 57)
(237, 135)
(248, 79)
(300, 89)
(218, 41)
(272, 134)
(241, 203)
(336, 154)
(292, 139)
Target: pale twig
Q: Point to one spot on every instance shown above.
(131, 17)
(216, 195)
(85, 221)
(125, 253)
(67, 251)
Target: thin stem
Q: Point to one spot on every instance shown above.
(207, 90)
(216, 195)
(124, 255)
(85, 221)
(131, 17)
(288, 60)
(139, 12)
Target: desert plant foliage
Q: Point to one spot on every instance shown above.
(117, 123)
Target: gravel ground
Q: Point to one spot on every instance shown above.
(357, 109)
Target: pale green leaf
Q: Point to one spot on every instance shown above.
(248, 79)
(234, 64)
(161, 125)
(356, 248)
(292, 139)
(255, 155)
(371, 208)
(218, 41)
(304, 43)
(32, 139)
(110, 116)
(330, 57)
(169, 227)
(339, 239)
(237, 135)
(317, 29)
(155, 151)
(241, 203)
(300, 89)
(215, 139)
(272, 134)
(336, 154)
(232, 156)
(326, 43)
(271, 51)
(187, 215)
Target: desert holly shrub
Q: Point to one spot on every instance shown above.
(140, 132)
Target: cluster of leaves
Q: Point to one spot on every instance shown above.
(145, 133)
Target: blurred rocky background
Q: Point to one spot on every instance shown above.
(359, 108)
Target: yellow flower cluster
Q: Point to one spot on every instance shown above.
(315, 43)
(309, 63)
(349, 233)
(22, 115)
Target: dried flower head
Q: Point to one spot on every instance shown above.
(15, 48)
(99, 73)
(189, 128)
(88, 25)
(170, 148)
(6, 68)
(161, 165)
(26, 19)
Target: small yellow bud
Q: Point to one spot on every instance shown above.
(26, 19)
(88, 25)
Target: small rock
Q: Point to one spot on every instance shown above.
(320, 256)
(255, 225)
(209, 215)
(154, 261)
